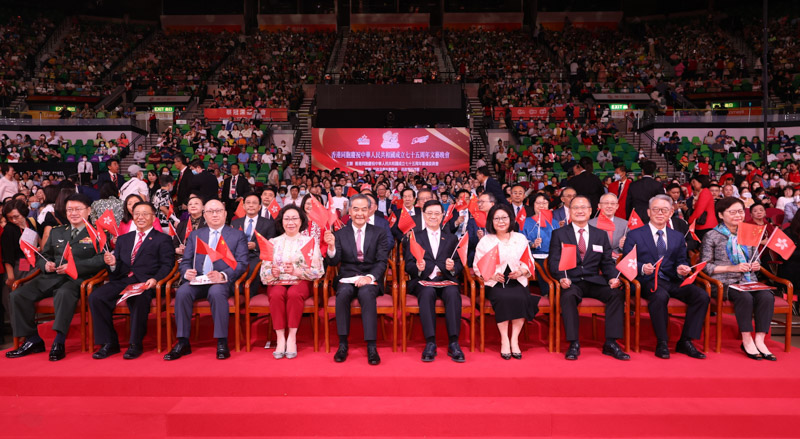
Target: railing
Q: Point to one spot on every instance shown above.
(692, 116)
(73, 122)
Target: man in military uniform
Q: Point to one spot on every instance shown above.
(53, 281)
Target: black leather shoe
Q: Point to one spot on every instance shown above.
(222, 350)
(57, 352)
(134, 351)
(26, 349)
(613, 350)
(687, 347)
(341, 353)
(750, 356)
(429, 353)
(574, 351)
(372, 356)
(455, 353)
(769, 357)
(106, 350)
(180, 349)
(516, 355)
(662, 350)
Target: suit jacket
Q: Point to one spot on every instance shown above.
(264, 226)
(385, 206)
(376, 254)
(683, 227)
(154, 259)
(242, 187)
(623, 197)
(559, 215)
(205, 185)
(620, 228)
(447, 245)
(181, 230)
(588, 185)
(639, 195)
(182, 185)
(419, 223)
(106, 176)
(383, 223)
(528, 210)
(493, 187)
(87, 260)
(237, 243)
(596, 267)
(646, 253)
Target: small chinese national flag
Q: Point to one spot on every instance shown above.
(72, 270)
(603, 223)
(240, 213)
(171, 231)
(780, 244)
(405, 223)
(480, 218)
(265, 248)
(544, 217)
(449, 214)
(569, 257)
(202, 248)
(225, 253)
(655, 274)
(487, 265)
(692, 228)
(462, 247)
(416, 250)
(318, 213)
(749, 234)
(635, 221)
(628, 265)
(351, 191)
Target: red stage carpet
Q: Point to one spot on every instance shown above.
(542, 395)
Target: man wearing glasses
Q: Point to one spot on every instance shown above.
(595, 276)
(54, 282)
(654, 242)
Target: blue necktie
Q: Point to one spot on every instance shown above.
(661, 246)
(208, 266)
(249, 231)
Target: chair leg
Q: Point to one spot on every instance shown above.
(719, 328)
(787, 345)
(483, 329)
(16, 343)
(403, 331)
(637, 328)
(382, 322)
(247, 330)
(594, 326)
(558, 332)
(83, 325)
(315, 327)
(158, 331)
(89, 337)
(472, 330)
(327, 325)
(394, 333)
(238, 324)
(168, 317)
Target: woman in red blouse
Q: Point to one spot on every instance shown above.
(703, 206)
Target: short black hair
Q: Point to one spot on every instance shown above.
(430, 203)
(672, 186)
(270, 188)
(403, 192)
(251, 194)
(145, 203)
(484, 170)
(279, 220)
(81, 198)
(490, 217)
(723, 205)
(15, 204)
(165, 179)
(649, 167)
(586, 163)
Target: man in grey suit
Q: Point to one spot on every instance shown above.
(219, 272)
(252, 223)
(608, 208)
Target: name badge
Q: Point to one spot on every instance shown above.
(597, 248)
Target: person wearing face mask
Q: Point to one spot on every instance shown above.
(85, 170)
(747, 198)
(620, 188)
(788, 197)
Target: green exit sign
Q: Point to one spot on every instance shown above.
(725, 105)
(59, 107)
(164, 109)
(618, 106)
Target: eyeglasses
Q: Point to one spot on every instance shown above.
(433, 214)
(580, 208)
(661, 210)
(608, 203)
(215, 211)
(500, 219)
(291, 218)
(142, 214)
(76, 209)
(735, 212)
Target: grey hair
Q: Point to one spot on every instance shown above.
(361, 197)
(661, 197)
(609, 194)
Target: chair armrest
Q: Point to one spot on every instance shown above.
(87, 286)
(637, 288)
(715, 283)
(249, 282)
(788, 285)
(18, 283)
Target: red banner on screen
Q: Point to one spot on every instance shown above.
(518, 113)
(404, 149)
(267, 114)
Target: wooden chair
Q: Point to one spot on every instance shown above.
(258, 303)
(46, 305)
(409, 306)
(783, 305)
(387, 304)
(203, 306)
(156, 307)
(593, 307)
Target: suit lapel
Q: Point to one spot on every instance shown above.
(650, 243)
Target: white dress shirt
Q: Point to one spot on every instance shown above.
(585, 234)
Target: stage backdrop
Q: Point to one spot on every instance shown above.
(392, 149)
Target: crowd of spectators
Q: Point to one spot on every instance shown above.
(20, 40)
(390, 57)
(784, 55)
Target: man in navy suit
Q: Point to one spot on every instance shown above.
(562, 214)
(654, 242)
(219, 272)
(410, 205)
(111, 175)
(376, 219)
(491, 185)
(252, 223)
(144, 255)
(363, 253)
(437, 265)
(594, 276)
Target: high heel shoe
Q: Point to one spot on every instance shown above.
(770, 357)
(749, 355)
(505, 356)
(290, 355)
(278, 355)
(516, 355)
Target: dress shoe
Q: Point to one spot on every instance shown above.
(612, 349)
(290, 355)
(106, 350)
(341, 353)
(372, 356)
(687, 347)
(26, 348)
(516, 355)
(505, 356)
(770, 357)
(134, 351)
(222, 350)
(57, 352)
(455, 353)
(181, 348)
(574, 351)
(662, 350)
(429, 353)
(278, 355)
(751, 356)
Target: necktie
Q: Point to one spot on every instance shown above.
(72, 234)
(208, 266)
(581, 244)
(249, 231)
(661, 245)
(114, 178)
(359, 253)
(136, 248)
(621, 185)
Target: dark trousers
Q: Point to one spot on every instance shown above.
(695, 298)
(367, 298)
(217, 296)
(451, 296)
(102, 303)
(611, 297)
(66, 295)
(748, 305)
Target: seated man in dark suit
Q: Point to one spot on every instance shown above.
(586, 279)
(251, 223)
(437, 265)
(144, 255)
(562, 214)
(410, 205)
(654, 242)
(376, 219)
(363, 253)
(219, 272)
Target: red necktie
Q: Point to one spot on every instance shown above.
(136, 250)
(581, 244)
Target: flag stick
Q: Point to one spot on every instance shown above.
(753, 257)
(194, 261)
(765, 246)
(35, 251)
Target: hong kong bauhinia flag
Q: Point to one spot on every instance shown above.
(628, 265)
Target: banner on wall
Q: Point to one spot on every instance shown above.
(518, 113)
(267, 114)
(390, 149)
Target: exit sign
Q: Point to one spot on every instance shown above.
(618, 106)
(164, 109)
